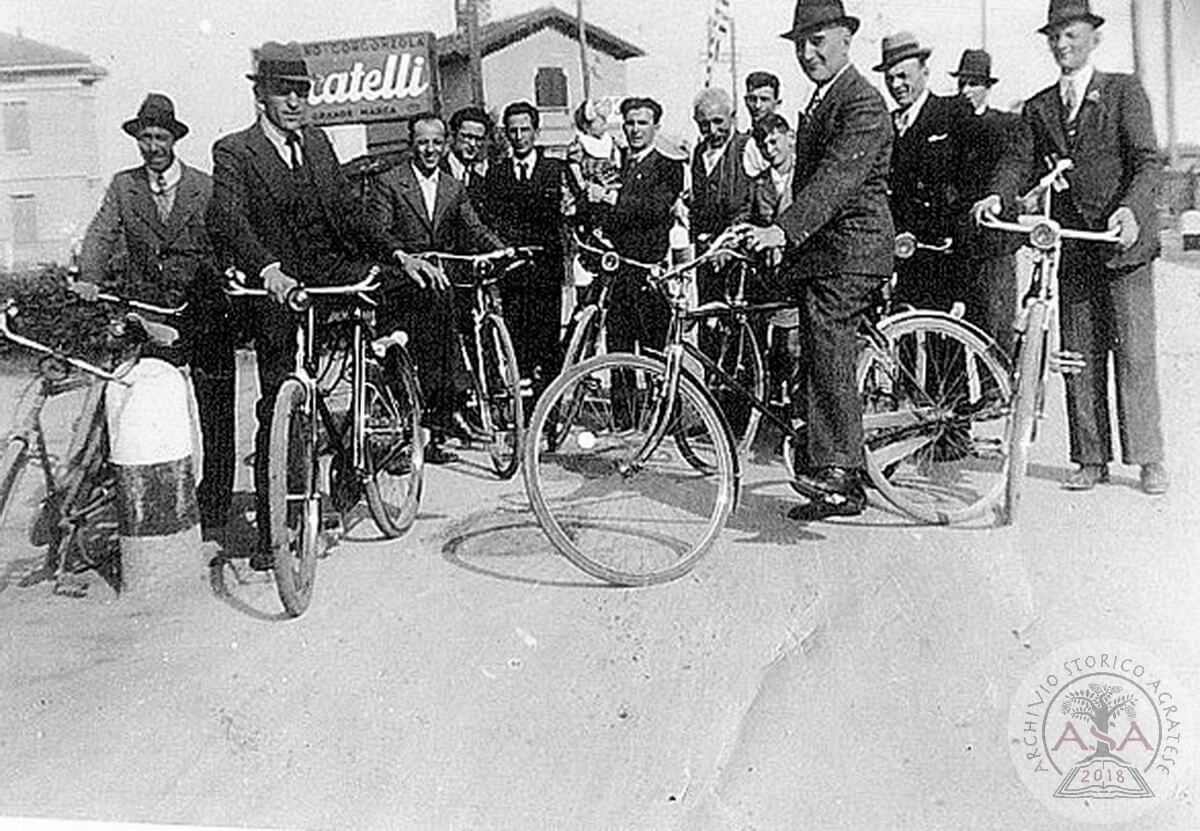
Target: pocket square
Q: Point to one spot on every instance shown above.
(938, 137)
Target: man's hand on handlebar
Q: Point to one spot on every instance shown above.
(988, 207)
(759, 239)
(422, 272)
(278, 284)
(85, 289)
(1126, 225)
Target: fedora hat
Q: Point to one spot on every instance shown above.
(812, 15)
(1062, 12)
(900, 47)
(975, 64)
(280, 61)
(156, 111)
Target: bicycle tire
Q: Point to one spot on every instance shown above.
(1030, 364)
(583, 343)
(502, 410)
(83, 508)
(12, 469)
(740, 358)
(293, 496)
(613, 497)
(394, 453)
(935, 407)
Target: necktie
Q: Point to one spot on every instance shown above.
(1068, 99)
(522, 172)
(161, 200)
(813, 103)
(295, 158)
(901, 121)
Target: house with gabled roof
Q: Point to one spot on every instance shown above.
(49, 155)
(535, 57)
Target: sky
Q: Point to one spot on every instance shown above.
(198, 51)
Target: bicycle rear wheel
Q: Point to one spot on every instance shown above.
(502, 410)
(295, 502)
(582, 345)
(1031, 355)
(615, 498)
(393, 450)
(935, 407)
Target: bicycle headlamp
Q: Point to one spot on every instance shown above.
(1044, 235)
(906, 245)
(609, 261)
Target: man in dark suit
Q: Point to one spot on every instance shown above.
(149, 242)
(284, 213)
(423, 208)
(720, 186)
(996, 157)
(1102, 122)
(523, 203)
(837, 237)
(640, 228)
(924, 171)
(467, 161)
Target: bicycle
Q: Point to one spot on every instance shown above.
(1036, 321)
(376, 448)
(605, 470)
(77, 521)
(496, 396)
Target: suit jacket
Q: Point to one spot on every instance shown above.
(398, 207)
(765, 199)
(164, 263)
(723, 198)
(926, 163)
(996, 158)
(639, 225)
(839, 222)
(250, 218)
(1116, 156)
(526, 213)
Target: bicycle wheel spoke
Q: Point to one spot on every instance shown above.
(392, 452)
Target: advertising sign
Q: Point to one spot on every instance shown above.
(378, 78)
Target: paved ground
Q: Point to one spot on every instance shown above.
(853, 674)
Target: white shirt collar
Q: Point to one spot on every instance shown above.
(278, 139)
(429, 187)
(641, 154)
(823, 89)
(458, 169)
(171, 176)
(906, 117)
(528, 162)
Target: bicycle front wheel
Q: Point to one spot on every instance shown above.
(12, 468)
(294, 500)
(935, 406)
(393, 451)
(502, 410)
(1031, 355)
(615, 498)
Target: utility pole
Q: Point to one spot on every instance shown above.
(585, 71)
(983, 29)
(1169, 66)
(468, 22)
(1135, 31)
(733, 88)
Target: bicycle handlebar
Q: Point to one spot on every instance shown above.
(1044, 233)
(9, 310)
(1053, 179)
(522, 252)
(300, 297)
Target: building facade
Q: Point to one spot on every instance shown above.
(49, 160)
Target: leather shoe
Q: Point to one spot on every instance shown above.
(1086, 477)
(459, 428)
(435, 454)
(831, 491)
(1154, 479)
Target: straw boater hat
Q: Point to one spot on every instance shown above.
(156, 111)
(975, 65)
(900, 47)
(812, 15)
(1062, 12)
(280, 61)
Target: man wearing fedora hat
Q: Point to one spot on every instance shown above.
(284, 213)
(925, 165)
(997, 157)
(837, 239)
(1102, 122)
(148, 241)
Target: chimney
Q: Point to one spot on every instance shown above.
(462, 10)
